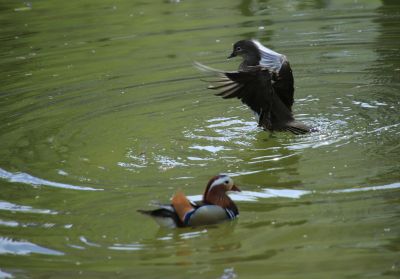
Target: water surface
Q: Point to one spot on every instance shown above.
(102, 112)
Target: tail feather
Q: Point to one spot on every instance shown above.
(160, 212)
(164, 217)
(297, 128)
(145, 212)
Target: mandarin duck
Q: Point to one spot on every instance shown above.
(264, 82)
(215, 207)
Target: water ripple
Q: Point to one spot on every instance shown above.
(10, 246)
(209, 148)
(127, 247)
(224, 130)
(87, 242)
(4, 205)
(252, 196)
(9, 224)
(189, 235)
(395, 185)
(20, 177)
(265, 193)
(5, 275)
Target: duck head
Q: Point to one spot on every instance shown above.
(215, 192)
(254, 53)
(248, 50)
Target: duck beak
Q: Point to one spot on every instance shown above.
(233, 54)
(235, 188)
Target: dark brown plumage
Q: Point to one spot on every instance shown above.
(264, 82)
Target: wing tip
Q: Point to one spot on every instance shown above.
(145, 212)
(204, 68)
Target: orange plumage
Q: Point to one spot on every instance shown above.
(181, 204)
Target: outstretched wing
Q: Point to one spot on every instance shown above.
(282, 75)
(283, 84)
(253, 87)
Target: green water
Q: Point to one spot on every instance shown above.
(102, 112)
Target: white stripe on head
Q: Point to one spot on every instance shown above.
(269, 58)
(222, 180)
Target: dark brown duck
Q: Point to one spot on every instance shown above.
(264, 82)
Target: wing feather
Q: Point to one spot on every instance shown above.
(230, 92)
(255, 88)
(225, 84)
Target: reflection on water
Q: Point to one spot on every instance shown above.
(10, 246)
(25, 178)
(4, 205)
(127, 247)
(372, 188)
(189, 235)
(252, 196)
(5, 274)
(230, 130)
(88, 243)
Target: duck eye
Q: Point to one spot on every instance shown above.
(226, 182)
(238, 48)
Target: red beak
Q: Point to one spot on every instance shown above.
(235, 188)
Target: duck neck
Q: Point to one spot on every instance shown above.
(217, 196)
(246, 64)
